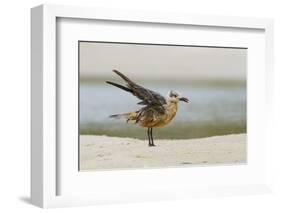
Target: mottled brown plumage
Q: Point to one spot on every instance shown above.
(157, 112)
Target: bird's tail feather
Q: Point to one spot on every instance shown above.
(117, 116)
(128, 115)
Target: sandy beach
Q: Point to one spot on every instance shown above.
(103, 152)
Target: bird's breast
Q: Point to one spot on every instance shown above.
(170, 112)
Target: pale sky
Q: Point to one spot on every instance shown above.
(162, 62)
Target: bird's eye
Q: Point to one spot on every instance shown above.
(173, 94)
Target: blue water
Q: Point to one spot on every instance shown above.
(207, 102)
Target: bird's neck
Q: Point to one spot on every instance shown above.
(172, 106)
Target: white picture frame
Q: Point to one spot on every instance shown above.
(45, 168)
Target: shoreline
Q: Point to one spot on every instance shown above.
(110, 153)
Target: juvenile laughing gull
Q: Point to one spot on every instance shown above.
(158, 110)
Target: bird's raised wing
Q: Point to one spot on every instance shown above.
(147, 96)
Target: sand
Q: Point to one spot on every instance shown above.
(103, 152)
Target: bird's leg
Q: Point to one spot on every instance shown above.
(148, 134)
(151, 136)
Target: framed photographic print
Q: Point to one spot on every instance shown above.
(213, 104)
(130, 106)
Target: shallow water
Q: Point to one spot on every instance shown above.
(213, 110)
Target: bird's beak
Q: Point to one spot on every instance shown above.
(184, 99)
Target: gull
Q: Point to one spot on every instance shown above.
(157, 112)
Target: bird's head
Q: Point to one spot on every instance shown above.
(175, 97)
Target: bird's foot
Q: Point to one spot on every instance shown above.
(151, 145)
